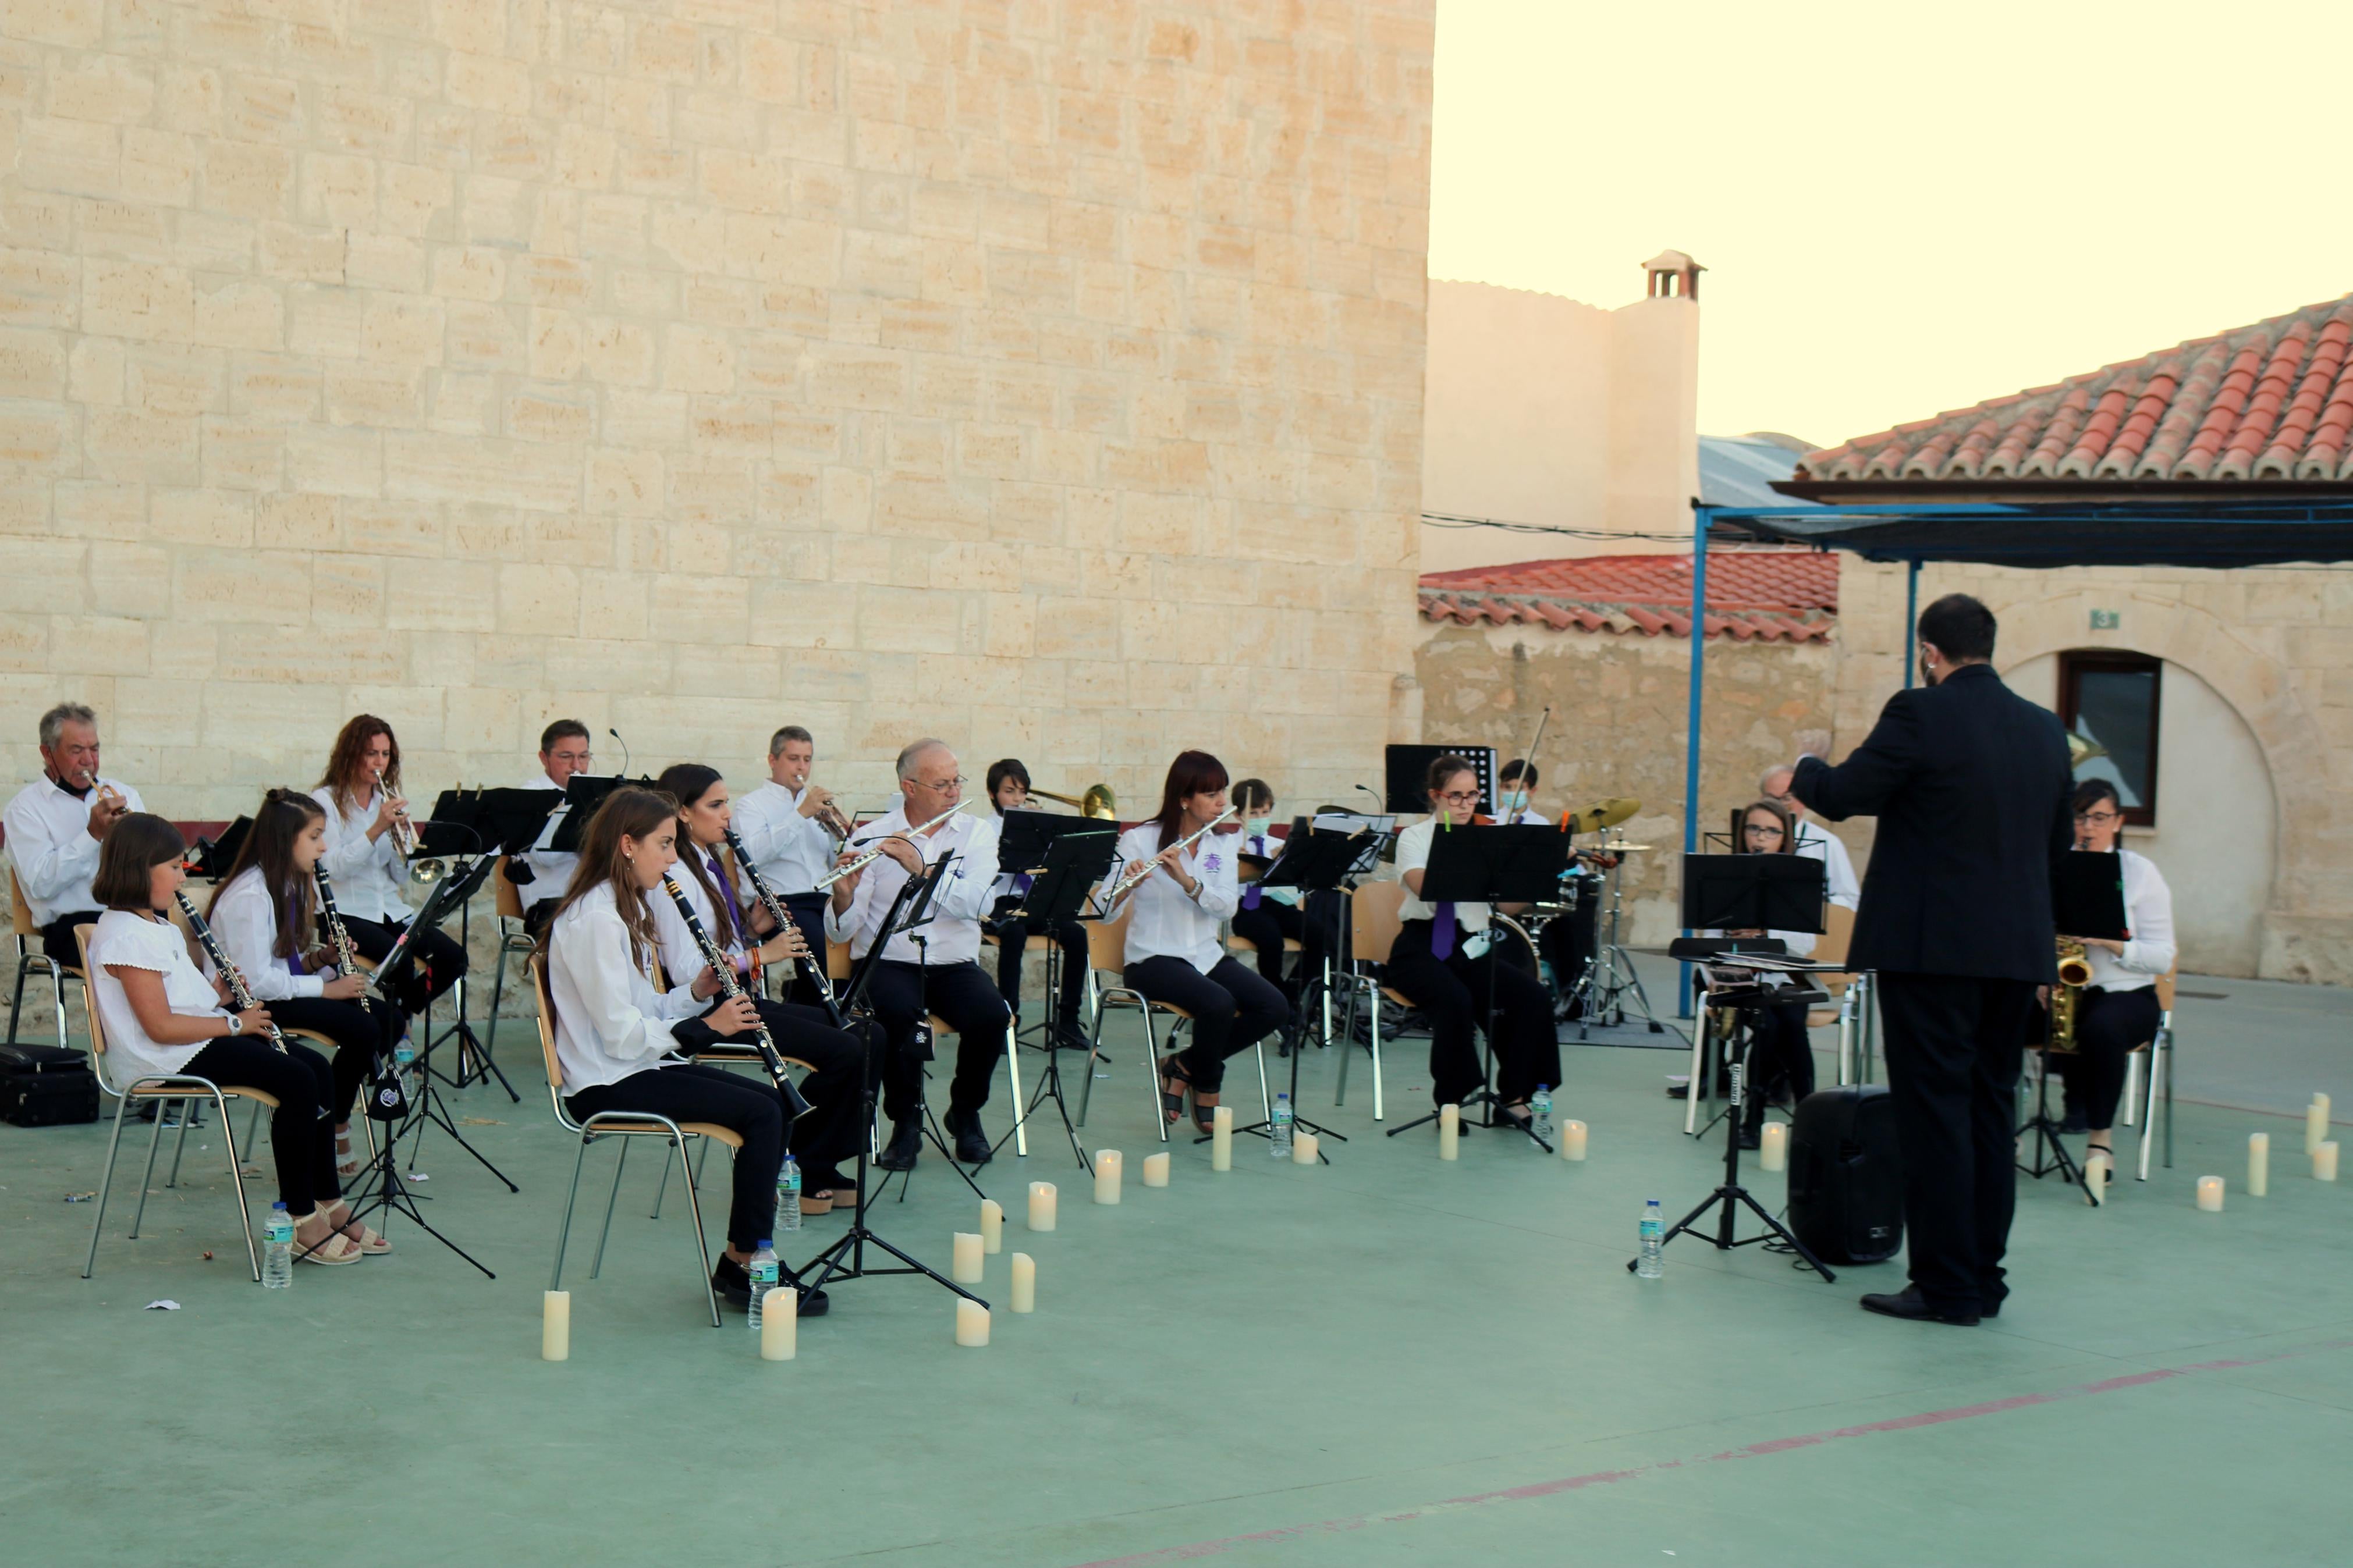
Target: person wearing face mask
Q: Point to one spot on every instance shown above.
(1518, 805)
(1267, 915)
(1009, 790)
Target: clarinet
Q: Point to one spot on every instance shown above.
(229, 971)
(776, 907)
(795, 1106)
(346, 961)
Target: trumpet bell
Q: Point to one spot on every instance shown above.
(1098, 802)
(422, 872)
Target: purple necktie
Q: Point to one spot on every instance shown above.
(294, 919)
(1022, 884)
(1441, 932)
(1250, 894)
(719, 881)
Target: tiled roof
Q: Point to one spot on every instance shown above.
(1753, 596)
(2270, 402)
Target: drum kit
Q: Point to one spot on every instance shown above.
(1591, 889)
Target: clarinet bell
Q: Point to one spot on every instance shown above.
(796, 1104)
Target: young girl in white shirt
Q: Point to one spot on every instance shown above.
(361, 795)
(2116, 1014)
(1780, 1051)
(161, 1014)
(1173, 952)
(266, 915)
(616, 1027)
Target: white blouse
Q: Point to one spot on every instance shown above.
(1413, 855)
(682, 960)
(1166, 923)
(137, 942)
(2148, 915)
(611, 1019)
(368, 876)
(247, 927)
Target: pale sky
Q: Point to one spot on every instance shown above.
(1904, 209)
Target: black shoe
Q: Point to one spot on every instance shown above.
(971, 1143)
(1911, 1305)
(813, 1303)
(1751, 1138)
(906, 1142)
(1068, 1037)
(1678, 1091)
(734, 1282)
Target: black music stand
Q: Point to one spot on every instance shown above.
(1519, 863)
(454, 834)
(210, 859)
(583, 793)
(2087, 899)
(909, 909)
(1077, 859)
(1021, 849)
(1312, 862)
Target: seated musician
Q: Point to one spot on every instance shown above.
(365, 817)
(789, 827)
(1518, 780)
(619, 1030)
(56, 824)
(1009, 790)
(836, 1086)
(541, 873)
(266, 917)
(1781, 1052)
(1443, 961)
(1173, 952)
(162, 1014)
(2116, 1013)
(1267, 915)
(1814, 841)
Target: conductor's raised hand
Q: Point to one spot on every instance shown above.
(1814, 743)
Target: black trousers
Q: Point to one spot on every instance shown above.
(807, 910)
(1780, 1049)
(1567, 943)
(301, 1135)
(2109, 1026)
(835, 1087)
(1954, 1045)
(904, 995)
(440, 960)
(1233, 1009)
(1452, 992)
(1013, 935)
(58, 936)
(692, 1093)
(361, 1035)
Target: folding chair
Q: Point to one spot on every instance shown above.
(2158, 1051)
(513, 940)
(1107, 951)
(20, 920)
(1373, 922)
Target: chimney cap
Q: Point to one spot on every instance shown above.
(1673, 272)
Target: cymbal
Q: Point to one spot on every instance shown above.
(1603, 813)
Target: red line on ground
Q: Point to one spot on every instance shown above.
(1223, 1544)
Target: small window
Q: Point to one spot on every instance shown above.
(2109, 702)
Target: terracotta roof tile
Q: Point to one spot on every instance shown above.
(2269, 402)
(1753, 596)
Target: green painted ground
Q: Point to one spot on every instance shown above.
(1325, 1356)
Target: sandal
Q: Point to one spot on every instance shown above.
(368, 1240)
(334, 1252)
(1205, 1111)
(1172, 1102)
(820, 1201)
(347, 1165)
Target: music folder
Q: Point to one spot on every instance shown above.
(2087, 896)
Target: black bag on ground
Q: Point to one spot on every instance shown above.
(41, 1086)
(1846, 1175)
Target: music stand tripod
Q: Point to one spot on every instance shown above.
(907, 910)
(2048, 1153)
(1312, 862)
(1518, 863)
(1075, 864)
(429, 1106)
(1610, 976)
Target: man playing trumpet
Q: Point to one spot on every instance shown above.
(789, 827)
(57, 823)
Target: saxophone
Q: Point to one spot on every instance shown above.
(2074, 973)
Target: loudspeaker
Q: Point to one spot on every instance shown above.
(1846, 1175)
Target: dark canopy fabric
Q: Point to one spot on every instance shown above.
(2219, 535)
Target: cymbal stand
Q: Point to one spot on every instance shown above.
(1611, 977)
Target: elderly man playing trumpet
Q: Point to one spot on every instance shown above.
(57, 823)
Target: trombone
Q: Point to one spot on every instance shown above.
(876, 853)
(1128, 883)
(1098, 802)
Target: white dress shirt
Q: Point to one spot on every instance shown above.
(137, 942)
(368, 875)
(50, 846)
(611, 1019)
(1838, 871)
(551, 869)
(2148, 915)
(1167, 922)
(958, 906)
(246, 924)
(792, 851)
(681, 959)
(1413, 855)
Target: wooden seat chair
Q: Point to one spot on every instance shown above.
(723, 1054)
(29, 963)
(513, 941)
(1373, 924)
(1107, 953)
(624, 1125)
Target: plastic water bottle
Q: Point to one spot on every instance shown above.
(1278, 1127)
(1654, 1231)
(278, 1248)
(404, 1055)
(1541, 1106)
(763, 1278)
(788, 1197)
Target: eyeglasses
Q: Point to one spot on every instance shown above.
(1460, 797)
(2099, 817)
(1764, 830)
(943, 787)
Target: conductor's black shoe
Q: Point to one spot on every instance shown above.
(971, 1143)
(1910, 1304)
(906, 1142)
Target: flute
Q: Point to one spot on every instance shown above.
(796, 1106)
(876, 853)
(229, 971)
(1135, 878)
(776, 908)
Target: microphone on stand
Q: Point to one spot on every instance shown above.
(1379, 804)
(624, 749)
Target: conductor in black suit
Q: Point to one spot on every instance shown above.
(1970, 785)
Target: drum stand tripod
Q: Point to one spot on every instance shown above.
(1610, 977)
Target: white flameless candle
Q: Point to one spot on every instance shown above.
(972, 1323)
(1155, 1169)
(2210, 1194)
(992, 1225)
(1107, 1174)
(965, 1268)
(1041, 1205)
(780, 1324)
(2316, 1123)
(2259, 1163)
(1024, 1283)
(1772, 1147)
(1450, 1131)
(1222, 1138)
(1572, 1140)
(555, 1326)
(1304, 1147)
(2324, 1162)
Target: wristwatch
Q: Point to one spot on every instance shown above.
(237, 1023)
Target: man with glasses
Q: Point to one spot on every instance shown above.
(1838, 871)
(544, 873)
(935, 970)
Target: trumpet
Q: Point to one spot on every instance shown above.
(828, 816)
(796, 1106)
(403, 839)
(876, 853)
(1135, 878)
(230, 973)
(1098, 802)
(88, 778)
(776, 908)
